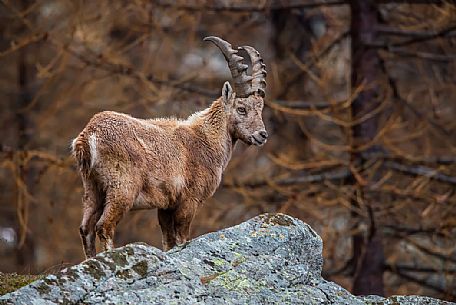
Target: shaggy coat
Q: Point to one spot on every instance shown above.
(172, 165)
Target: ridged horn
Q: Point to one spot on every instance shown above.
(258, 71)
(242, 81)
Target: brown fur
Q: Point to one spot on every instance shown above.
(173, 165)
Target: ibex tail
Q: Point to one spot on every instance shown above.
(81, 149)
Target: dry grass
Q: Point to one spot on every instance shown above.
(11, 281)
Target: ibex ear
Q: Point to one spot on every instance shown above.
(227, 92)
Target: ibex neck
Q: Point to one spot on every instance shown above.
(214, 125)
(215, 122)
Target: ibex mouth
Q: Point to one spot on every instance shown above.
(257, 141)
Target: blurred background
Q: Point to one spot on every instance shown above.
(360, 108)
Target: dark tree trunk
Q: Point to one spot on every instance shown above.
(368, 257)
(26, 247)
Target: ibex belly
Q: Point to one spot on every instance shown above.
(175, 190)
(162, 195)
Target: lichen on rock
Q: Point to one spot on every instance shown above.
(270, 259)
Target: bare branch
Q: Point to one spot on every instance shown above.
(247, 6)
(416, 269)
(271, 5)
(419, 281)
(440, 160)
(309, 105)
(449, 31)
(23, 42)
(416, 231)
(339, 174)
(428, 251)
(7, 153)
(393, 31)
(422, 55)
(430, 173)
(413, 1)
(432, 35)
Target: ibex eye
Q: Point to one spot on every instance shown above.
(241, 110)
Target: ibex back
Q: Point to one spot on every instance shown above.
(168, 164)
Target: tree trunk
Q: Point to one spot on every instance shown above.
(368, 257)
(26, 247)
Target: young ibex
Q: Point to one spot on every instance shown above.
(168, 164)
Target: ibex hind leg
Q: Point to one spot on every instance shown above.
(92, 208)
(118, 203)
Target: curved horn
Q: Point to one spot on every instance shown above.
(242, 81)
(258, 71)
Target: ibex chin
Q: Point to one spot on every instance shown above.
(169, 164)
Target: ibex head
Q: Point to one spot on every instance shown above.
(244, 106)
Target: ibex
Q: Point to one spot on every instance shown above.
(169, 164)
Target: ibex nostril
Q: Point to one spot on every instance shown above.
(264, 134)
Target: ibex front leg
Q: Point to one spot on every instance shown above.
(175, 223)
(166, 221)
(182, 220)
(118, 202)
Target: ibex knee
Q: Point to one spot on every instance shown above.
(83, 230)
(100, 229)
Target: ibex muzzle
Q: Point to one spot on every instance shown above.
(168, 164)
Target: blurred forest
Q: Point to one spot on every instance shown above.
(360, 108)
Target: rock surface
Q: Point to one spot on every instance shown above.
(270, 259)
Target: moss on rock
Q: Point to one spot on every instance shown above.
(140, 268)
(95, 269)
(119, 258)
(277, 220)
(11, 281)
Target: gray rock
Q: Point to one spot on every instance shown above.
(270, 259)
